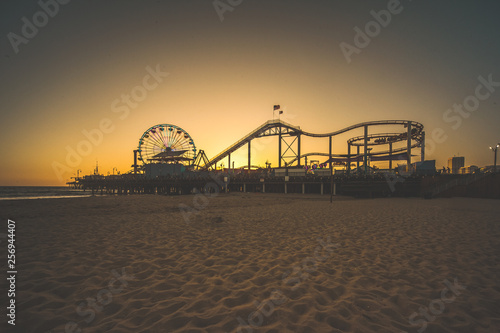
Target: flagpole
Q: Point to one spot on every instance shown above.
(277, 107)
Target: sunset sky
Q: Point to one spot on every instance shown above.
(219, 79)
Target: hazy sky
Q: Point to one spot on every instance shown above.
(68, 72)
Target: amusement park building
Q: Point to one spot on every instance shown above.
(455, 163)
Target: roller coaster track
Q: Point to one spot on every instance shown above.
(353, 156)
(277, 127)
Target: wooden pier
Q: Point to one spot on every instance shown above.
(362, 186)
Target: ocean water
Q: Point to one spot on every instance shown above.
(40, 192)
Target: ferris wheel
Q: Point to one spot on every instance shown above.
(166, 143)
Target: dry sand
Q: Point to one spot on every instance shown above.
(256, 263)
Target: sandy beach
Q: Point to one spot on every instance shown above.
(250, 262)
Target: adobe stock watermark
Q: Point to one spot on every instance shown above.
(454, 115)
(363, 38)
(436, 306)
(212, 189)
(91, 305)
(392, 179)
(30, 28)
(121, 106)
(222, 6)
(291, 279)
(458, 112)
(201, 200)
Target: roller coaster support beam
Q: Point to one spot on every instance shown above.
(249, 149)
(390, 156)
(365, 158)
(229, 162)
(422, 147)
(408, 148)
(348, 159)
(279, 148)
(331, 171)
(357, 159)
(289, 148)
(330, 152)
(298, 151)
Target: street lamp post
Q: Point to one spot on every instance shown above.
(495, 158)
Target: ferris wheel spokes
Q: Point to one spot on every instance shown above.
(166, 143)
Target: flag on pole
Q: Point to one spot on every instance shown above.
(276, 107)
